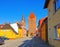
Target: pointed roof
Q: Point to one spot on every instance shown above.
(23, 21)
(23, 18)
(31, 15)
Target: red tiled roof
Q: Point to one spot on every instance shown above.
(41, 20)
(32, 15)
(1, 25)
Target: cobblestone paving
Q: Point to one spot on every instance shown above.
(36, 42)
(15, 43)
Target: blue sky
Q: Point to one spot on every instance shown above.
(12, 10)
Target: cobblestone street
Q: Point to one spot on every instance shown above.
(25, 42)
(35, 42)
(15, 43)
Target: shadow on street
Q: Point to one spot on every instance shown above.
(24, 43)
(35, 42)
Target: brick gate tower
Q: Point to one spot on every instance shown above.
(31, 25)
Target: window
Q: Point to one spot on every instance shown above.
(57, 32)
(57, 4)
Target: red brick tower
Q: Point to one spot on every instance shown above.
(31, 25)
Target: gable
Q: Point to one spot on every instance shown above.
(15, 27)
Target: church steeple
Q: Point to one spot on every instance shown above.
(23, 21)
(23, 18)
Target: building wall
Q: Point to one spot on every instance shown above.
(1, 33)
(8, 33)
(23, 33)
(31, 26)
(19, 35)
(53, 20)
(42, 30)
(39, 35)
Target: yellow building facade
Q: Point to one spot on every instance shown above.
(9, 33)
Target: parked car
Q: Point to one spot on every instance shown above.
(1, 40)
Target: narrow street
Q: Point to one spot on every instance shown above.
(25, 42)
(15, 43)
(35, 42)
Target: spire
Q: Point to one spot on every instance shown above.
(23, 17)
(23, 20)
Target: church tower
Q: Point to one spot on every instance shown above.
(31, 25)
(23, 26)
(23, 21)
